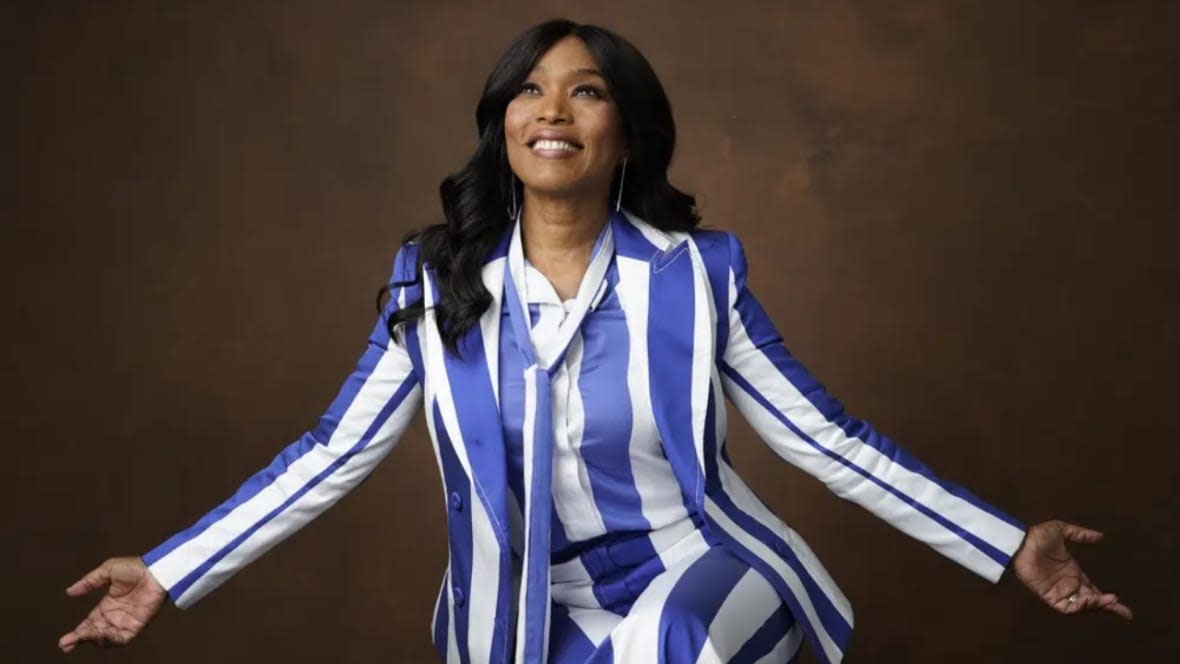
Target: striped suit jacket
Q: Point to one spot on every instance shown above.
(704, 337)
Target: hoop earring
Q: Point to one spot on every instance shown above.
(512, 188)
(619, 200)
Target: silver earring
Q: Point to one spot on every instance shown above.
(512, 189)
(619, 200)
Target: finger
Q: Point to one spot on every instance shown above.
(1120, 609)
(1094, 594)
(1066, 603)
(123, 624)
(1064, 588)
(94, 579)
(1075, 533)
(1070, 598)
(67, 641)
(1110, 602)
(1101, 602)
(94, 628)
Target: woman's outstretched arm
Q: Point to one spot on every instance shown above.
(364, 422)
(791, 410)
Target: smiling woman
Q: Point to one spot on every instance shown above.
(572, 356)
(563, 130)
(565, 142)
(559, 81)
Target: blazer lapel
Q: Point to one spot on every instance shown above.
(680, 348)
(680, 329)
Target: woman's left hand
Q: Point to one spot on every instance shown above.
(1045, 566)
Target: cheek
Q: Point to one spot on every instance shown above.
(609, 132)
(515, 121)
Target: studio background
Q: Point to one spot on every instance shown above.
(960, 215)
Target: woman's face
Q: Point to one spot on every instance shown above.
(562, 130)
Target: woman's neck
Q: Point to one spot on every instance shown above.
(558, 234)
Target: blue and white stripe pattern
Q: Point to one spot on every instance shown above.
(363, 423)
(700, 604)
(610, 474)
(694, 334)
(532, 634)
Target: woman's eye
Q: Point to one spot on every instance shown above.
(528, 87)
(587, 88)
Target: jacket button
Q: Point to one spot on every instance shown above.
(457, 593)
(456, 501)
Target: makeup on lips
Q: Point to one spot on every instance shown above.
(550, 148)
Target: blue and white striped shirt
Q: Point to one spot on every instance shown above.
(610, 475)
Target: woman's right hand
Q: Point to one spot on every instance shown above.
(133, 598)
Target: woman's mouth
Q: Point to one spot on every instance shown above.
(554, 149)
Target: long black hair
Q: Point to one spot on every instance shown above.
(476, 198)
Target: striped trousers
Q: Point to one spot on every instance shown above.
(703, 605)
(685, 600)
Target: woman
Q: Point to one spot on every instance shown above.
(572, 354)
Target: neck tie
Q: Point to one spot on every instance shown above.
(532, 630)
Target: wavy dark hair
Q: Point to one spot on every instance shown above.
(475, 198)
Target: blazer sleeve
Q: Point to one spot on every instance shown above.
(808, 427)
(363, 423)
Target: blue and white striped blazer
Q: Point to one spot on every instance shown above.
(704, 336)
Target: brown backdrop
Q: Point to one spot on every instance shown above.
(960, 214)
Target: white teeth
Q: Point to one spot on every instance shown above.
(546, 144)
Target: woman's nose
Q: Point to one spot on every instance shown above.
(553, 109)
